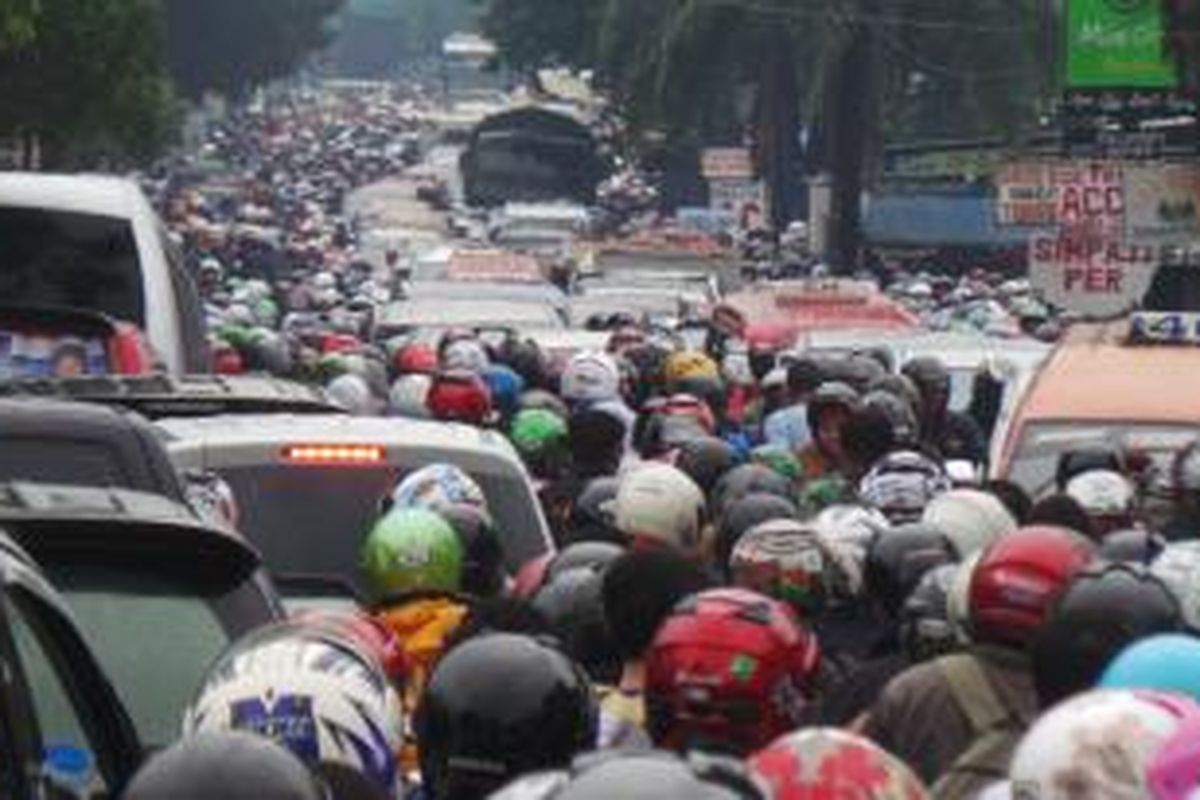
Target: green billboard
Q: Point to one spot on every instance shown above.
(1117, 44)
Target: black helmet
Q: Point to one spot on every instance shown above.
(590, 556)
(498, 706)
(483, 556)
(748, 479)
(897, 560)
(834, 394)
(591, 517)
(231, 765)
(652, 775)
(898, 412)
(743, 514)
(572, 604)
(705, 460)
(1136, 544)
(1106, 607)
(929, 374)
(899, 385)
(926, 630)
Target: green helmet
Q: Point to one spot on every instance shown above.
(536, 430)
(779, 460)
(825, 492)
(412, 550)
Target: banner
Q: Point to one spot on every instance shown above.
(1162, 204)
(1117, 44)
(1095, 276)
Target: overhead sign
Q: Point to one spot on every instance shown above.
(1093, 276)
(493, 266)
(1115, 44)
(1042, 194)
(1162, 203)
(726, 163)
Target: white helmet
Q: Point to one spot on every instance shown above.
(902, 484)
(351, 393)
(1178, 567)
(591, 377)
(847, 531)
(312, 692)
(971, 519)
(1102, 492)
(661, 503)
(466, 354)
(1097, 744)
(408, 395)
(958, 599)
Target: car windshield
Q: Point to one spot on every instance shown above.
(68, 259)
(340, 504)
(154, 636)
(1042, 444)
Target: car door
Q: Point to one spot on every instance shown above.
(67, 728)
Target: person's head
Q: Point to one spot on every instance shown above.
(1106, 497)
(1106, 607)
(897, 560)
(868, 436)
(498, 706)
(597, 440)
(728, 671)
(483, 572)
(572, 603)
(788, 560)
(412, 550)
(829, 762)
(830, 408)
(743, 515)
(932, 380)
(1165, 662)
(1063, 511)
(804, 375)
(638, 592)
(1185, 476)
(659, 506)
(970, 518)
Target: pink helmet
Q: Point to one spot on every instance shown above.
(1174, 770)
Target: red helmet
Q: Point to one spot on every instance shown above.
(1018, 579)
(415, 357)
(459, 396)
(340, 343)
(729, 669)
(227, 360)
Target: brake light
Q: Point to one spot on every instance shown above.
(350, 454)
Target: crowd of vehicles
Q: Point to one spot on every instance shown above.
(216, 416)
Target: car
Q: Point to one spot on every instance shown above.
(782, 310)
(309, 487)
(62, 717)
(157, 593)
(1099, 390)
(429, 317)
(81, 444)
(95, 243)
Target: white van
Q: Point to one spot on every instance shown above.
(95, 243)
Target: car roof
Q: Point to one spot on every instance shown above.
(164, 395)
(85, 194)
(210, 434)
(51, 517)
(956, 349)
(1092, 375)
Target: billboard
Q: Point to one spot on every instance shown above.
(1116, 44)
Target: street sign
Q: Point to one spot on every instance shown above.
(1162, 204)
(1096, 277)
(1116, 44)
(718, 163)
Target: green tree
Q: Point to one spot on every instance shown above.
(90, 89)
(18, 20)
(539, 33)
(232, 46)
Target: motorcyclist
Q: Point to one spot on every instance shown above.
(954, 435)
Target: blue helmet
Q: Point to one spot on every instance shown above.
(506, 386)
(1168, 662)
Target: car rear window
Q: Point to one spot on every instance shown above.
(60, 258)
(71, 462)
(153, 635)
(312, 520)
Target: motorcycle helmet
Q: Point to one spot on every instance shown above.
(593, 515)
(466, 355)
(779, 459)
(743, 515)
(898, 412)
(1019, 578)
(591, 556)
(499, 706)
(1167, 662)
(748, 479)
(831, 395)
(1107, 497)
(226, 764)
(897, 560)
(1174, 770)
(591, 378)
(1178, 566)
(929, 375)
(832, 763)
(658, 504)
(784, 559)
(459, 396)
(505, 387)
(1135, 545)
(729, 670)
(902, 485)
(415, 357)
(689, 364)
(570, 601)
(1098, 744)
(545, 401)
(313, 693)
(541, 439)
(436, 487)
(705, 460)
(483, 573)
(972, 519)
(1106, 607)
(412, 550)
(351, 393)
(926, 631)
(409, 396)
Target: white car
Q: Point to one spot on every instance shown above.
(95, 243)
(308, 487)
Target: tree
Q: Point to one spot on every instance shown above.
(541, 33)
(18, 20)
(232, 46)
(91, 87)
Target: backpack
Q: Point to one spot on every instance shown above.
(996, 729)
